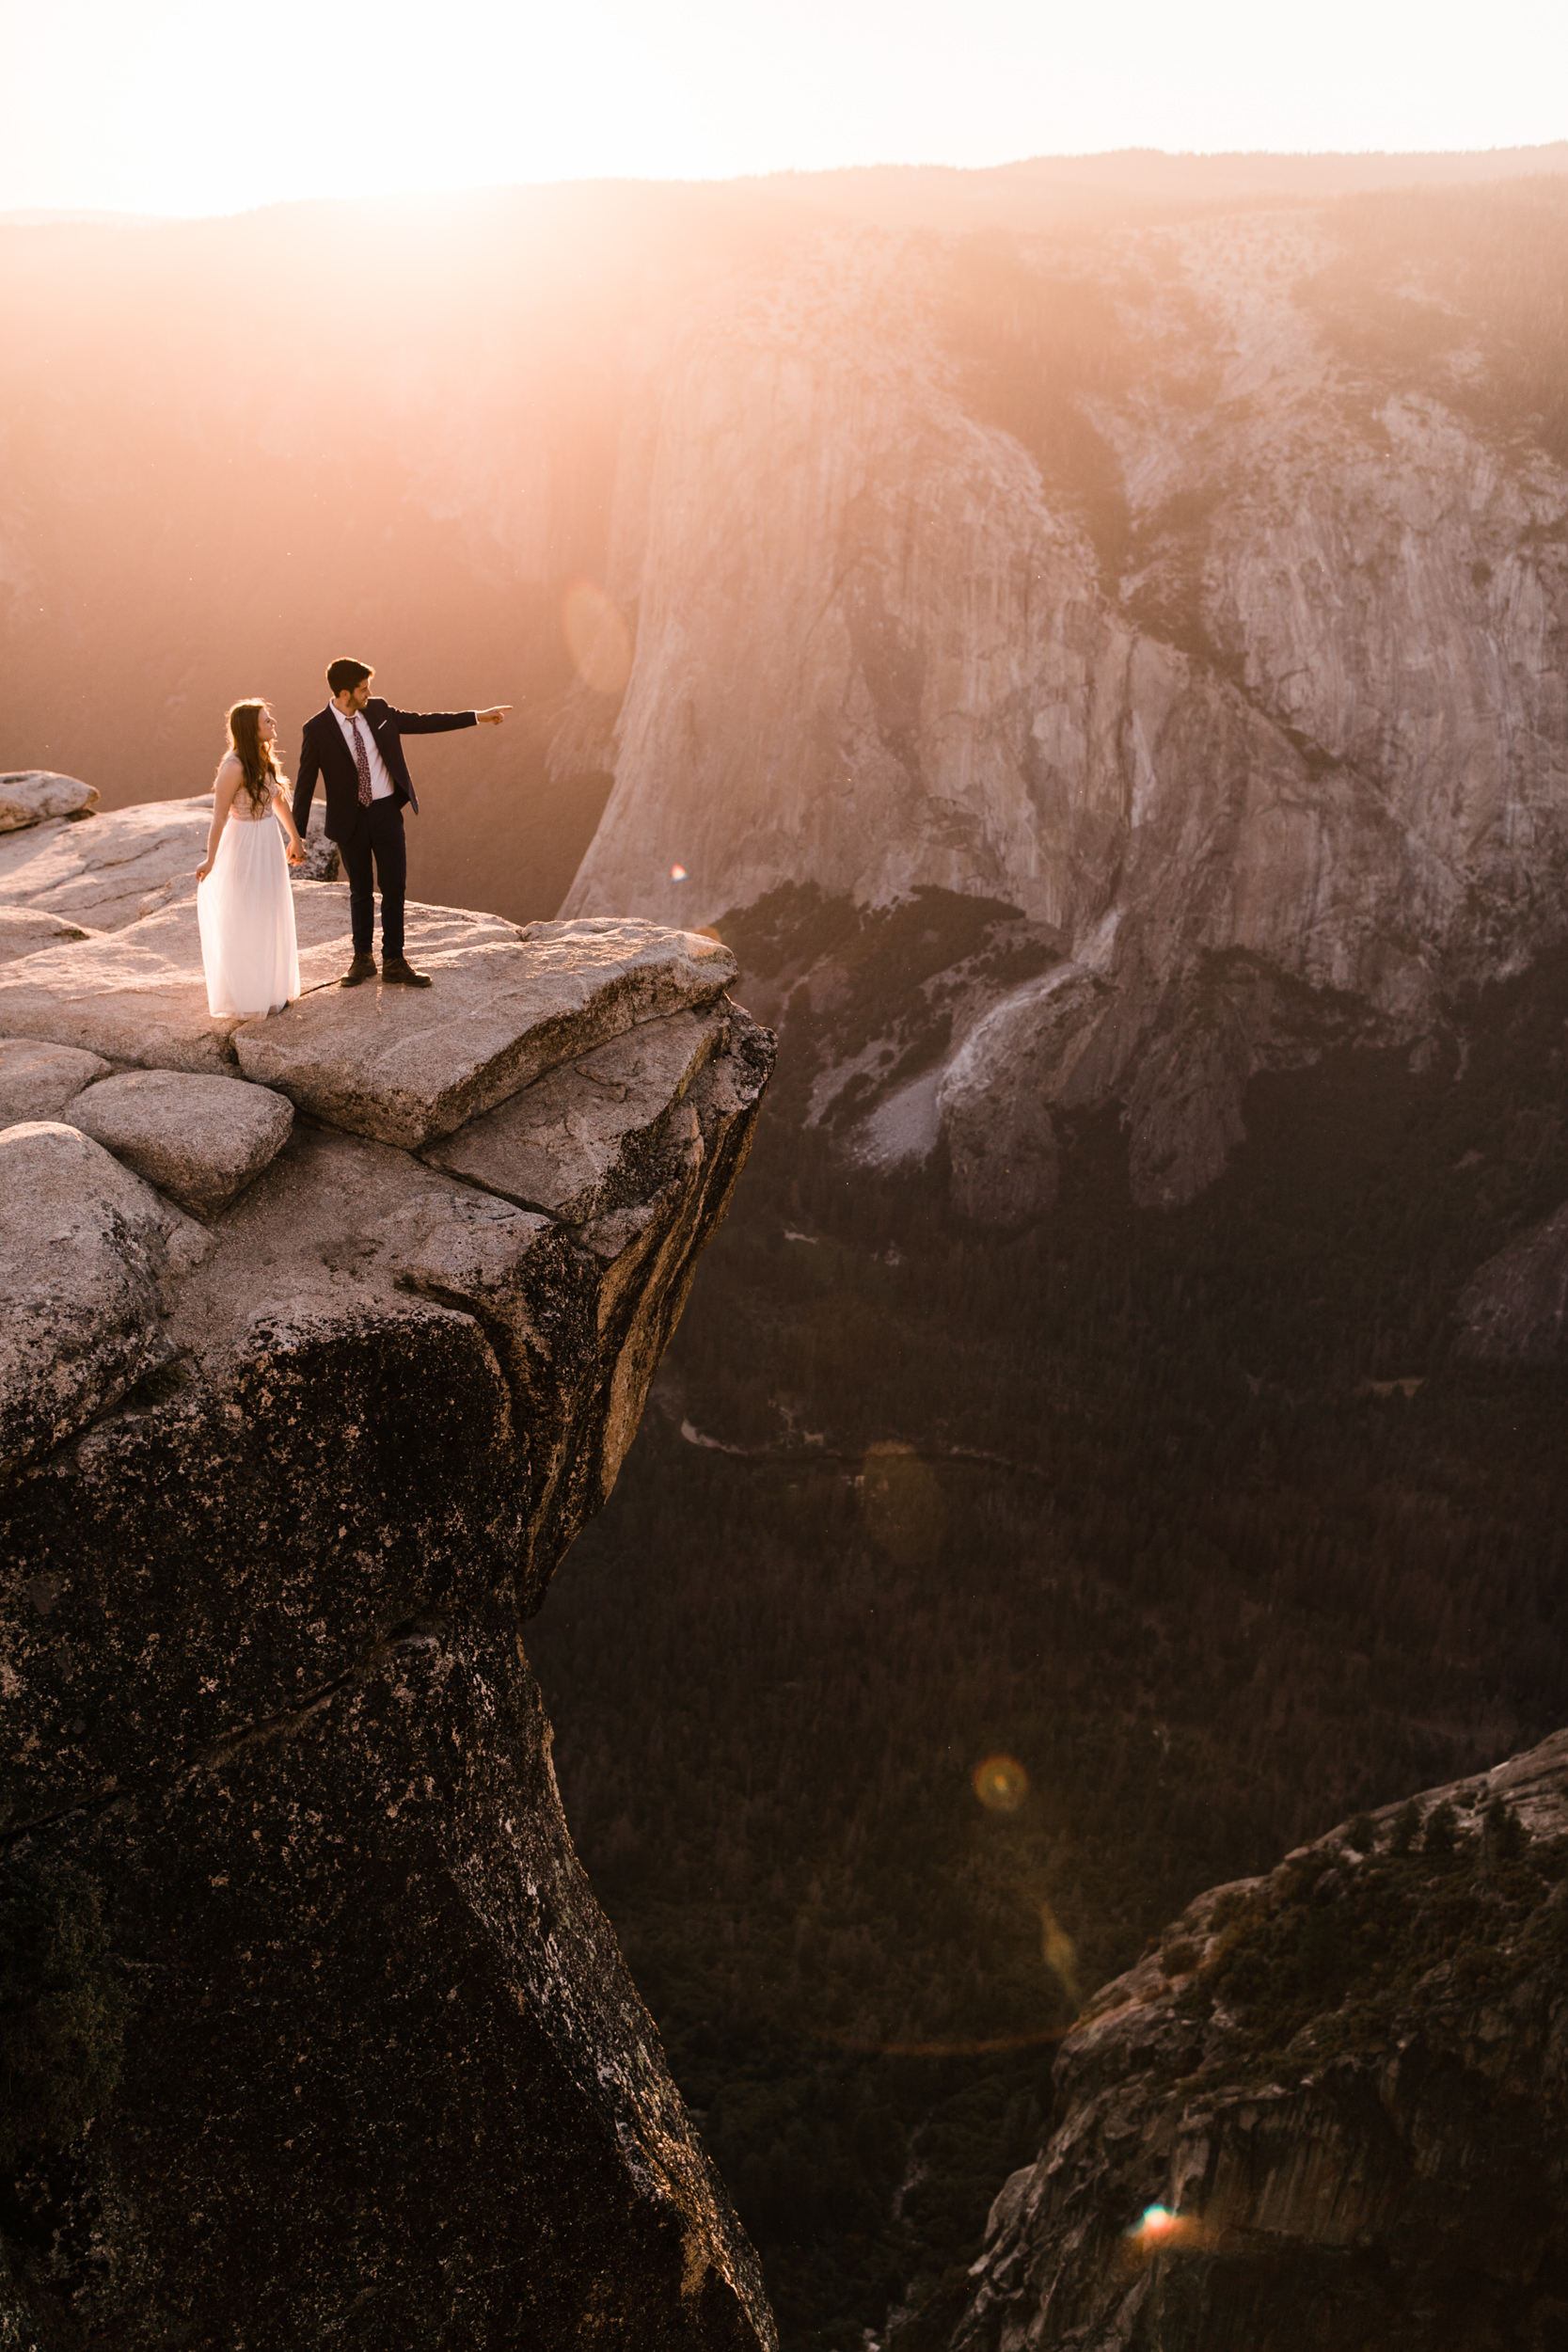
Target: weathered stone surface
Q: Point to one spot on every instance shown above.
(572, 1143)
(138, 993)
(133, 994)
(1514, 1308)
(86, 1253)
(24, 929)
(1392, 2175)
(408, 1065)
(37, 1081)
(108, 872)
(27, 796)
(258, 1638)
(199, 1139)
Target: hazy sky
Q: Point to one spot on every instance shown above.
(195, 106)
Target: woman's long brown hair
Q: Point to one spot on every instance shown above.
(256, 759)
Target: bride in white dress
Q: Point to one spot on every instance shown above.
(244, 905)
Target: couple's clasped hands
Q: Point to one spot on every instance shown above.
(293, 850)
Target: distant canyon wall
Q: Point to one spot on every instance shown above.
(1255, 693)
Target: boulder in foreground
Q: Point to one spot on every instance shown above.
(199, 1139)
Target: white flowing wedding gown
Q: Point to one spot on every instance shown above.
(246, 911)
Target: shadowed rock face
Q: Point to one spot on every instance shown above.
(277, 1500)
(1326, 2113)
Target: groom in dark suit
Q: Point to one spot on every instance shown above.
(355, 746)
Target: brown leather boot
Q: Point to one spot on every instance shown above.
(394, 968)
(362, 968)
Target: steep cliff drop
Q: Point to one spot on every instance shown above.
(1327, 2112)
(323, 1335)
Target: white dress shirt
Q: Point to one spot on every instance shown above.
(381, 782)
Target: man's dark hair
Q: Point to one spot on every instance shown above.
(343, 672)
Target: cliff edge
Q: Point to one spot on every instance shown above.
(322, 1336)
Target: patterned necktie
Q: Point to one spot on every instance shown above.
(363, 764)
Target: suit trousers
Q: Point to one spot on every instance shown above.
(379, 838)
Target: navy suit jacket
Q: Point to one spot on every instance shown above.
(325, 753)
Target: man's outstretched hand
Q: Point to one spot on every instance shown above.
(493, 717)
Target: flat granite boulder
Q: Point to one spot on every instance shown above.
(408, 1065)
(37, 1081)
(29, 795)
(569, 1144)
(87, 1252)
(199, 1139)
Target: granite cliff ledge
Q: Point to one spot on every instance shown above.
(322, 1336)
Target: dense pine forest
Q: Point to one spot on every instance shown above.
(1192, 1527)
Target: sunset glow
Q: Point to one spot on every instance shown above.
(135, 108)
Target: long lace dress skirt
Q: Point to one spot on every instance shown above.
(246, 914)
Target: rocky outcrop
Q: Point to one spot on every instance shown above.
(29, 795)
(1514, 1308)
(1275, 677)
(280, 1487)
(1327, 2110)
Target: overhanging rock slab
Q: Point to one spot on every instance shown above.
(406, 1066)
(563, 1143)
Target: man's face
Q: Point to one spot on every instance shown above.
(362, 693)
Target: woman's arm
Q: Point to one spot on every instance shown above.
(225, 785)
(285, 817)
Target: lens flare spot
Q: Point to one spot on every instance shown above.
(1159, 2230)
(596, 637)
(677, 873)
(1001, 1784)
